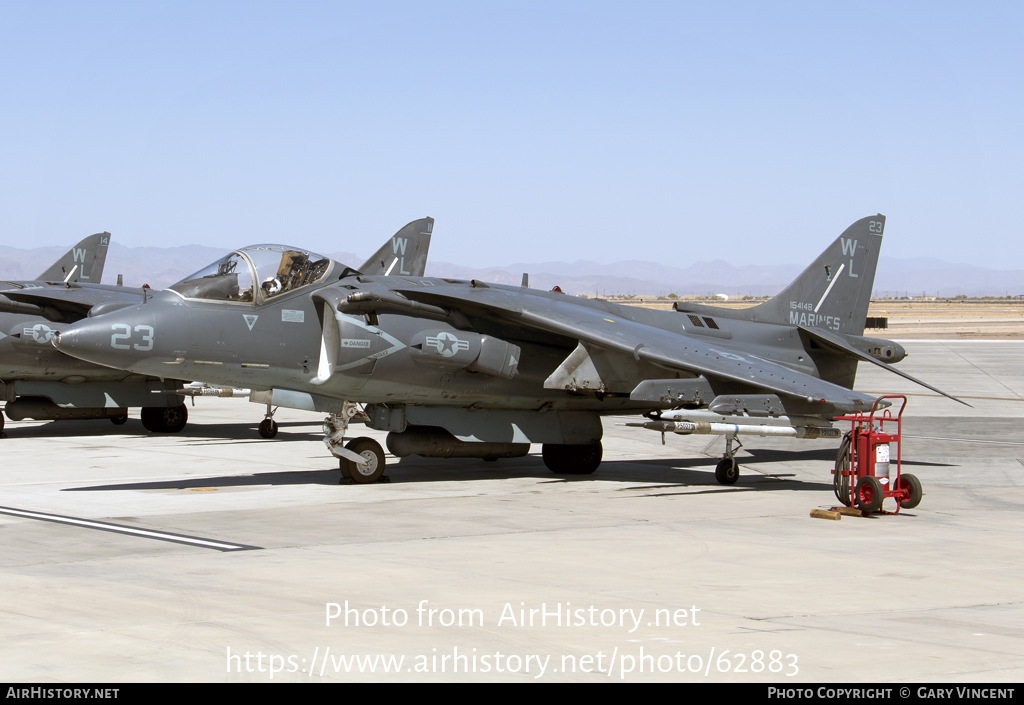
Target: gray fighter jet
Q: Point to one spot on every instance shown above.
(456, 368)
(39, 382)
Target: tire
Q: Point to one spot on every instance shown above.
(171, 419)
(1, 423)
(148, 416)
(727, 472)
(119, 420)
(913, 485)
(841, 483)
(268, 428)
(572, 459)
(369, 449)
(868, 494)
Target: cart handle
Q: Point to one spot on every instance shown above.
(899, 416)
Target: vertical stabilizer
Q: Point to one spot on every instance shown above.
(405, 253)
(834, 292)
(86, 259)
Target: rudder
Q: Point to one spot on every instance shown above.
(405, 253)
(835, 291)
(87, 259)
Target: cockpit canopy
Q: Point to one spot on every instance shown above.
(255, 274)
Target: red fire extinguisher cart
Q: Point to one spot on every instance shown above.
(863, 474)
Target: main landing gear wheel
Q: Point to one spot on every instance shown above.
(164, 419)
(913, 485)
(572, 459)
(119, 420)
(868, 494)
(727, 472)
(268, 428)
(373, 467)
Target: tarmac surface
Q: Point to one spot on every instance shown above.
(734, 583)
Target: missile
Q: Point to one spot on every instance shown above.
(686, 428)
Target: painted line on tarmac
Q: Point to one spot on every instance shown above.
(964, 440)
(129, 530)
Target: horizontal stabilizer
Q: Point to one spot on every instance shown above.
(831, 340)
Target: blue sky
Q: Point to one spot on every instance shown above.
(675, 132)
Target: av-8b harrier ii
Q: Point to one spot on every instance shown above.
(39, 382)
(457, 368)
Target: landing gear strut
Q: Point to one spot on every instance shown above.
(362, 459)
(727, 472)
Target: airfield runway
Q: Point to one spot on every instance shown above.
(216, 544)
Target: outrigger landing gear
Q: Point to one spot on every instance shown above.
(362, 459)
(727, 472)
(268, 427)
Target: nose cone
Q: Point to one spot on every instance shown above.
(120, 339)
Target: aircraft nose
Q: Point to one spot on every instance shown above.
(116, 339)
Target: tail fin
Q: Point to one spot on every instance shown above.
(834, 292)
(405, 253)
(86, 259)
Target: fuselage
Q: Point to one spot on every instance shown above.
(277, 344)
(26, 330)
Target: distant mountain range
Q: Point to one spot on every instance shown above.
(162, 266)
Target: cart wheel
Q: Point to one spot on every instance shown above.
(727, 471)
(841, 482)
(912, 486)
(868, 494)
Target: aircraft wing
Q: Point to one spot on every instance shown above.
(72, 302)
(829, 339)
(675, 351)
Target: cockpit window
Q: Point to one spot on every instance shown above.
(282, 269)
(260, 272)
(229, 279)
